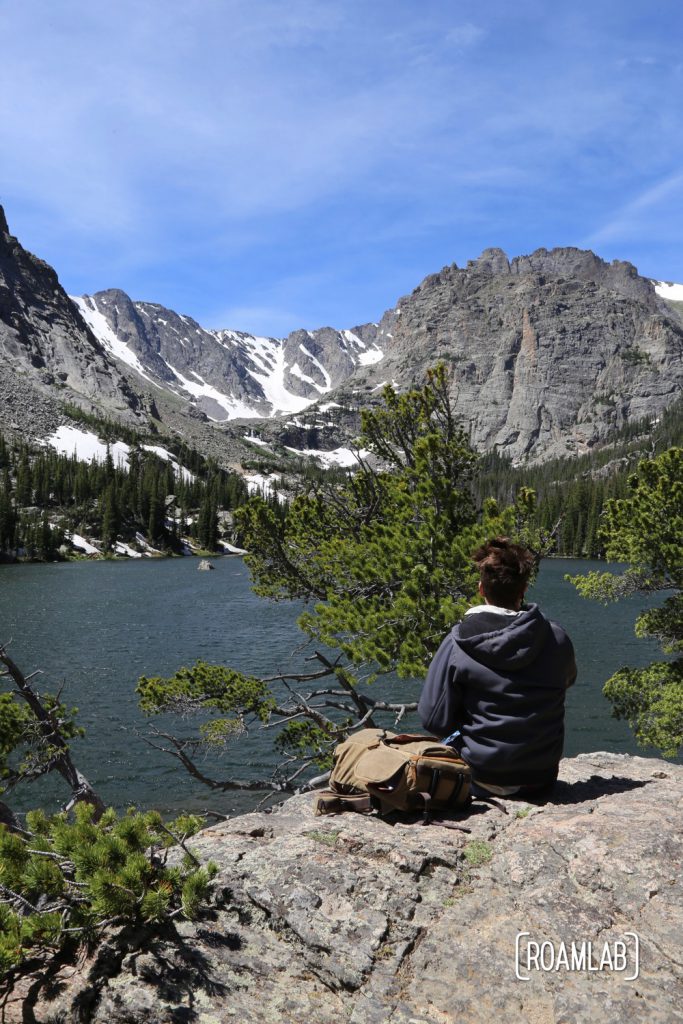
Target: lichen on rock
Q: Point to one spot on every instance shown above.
(351, 918)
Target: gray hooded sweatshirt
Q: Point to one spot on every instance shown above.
(501, 681)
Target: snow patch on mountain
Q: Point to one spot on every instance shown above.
(125, 549)
(272, 379)
(367, 356)
(343, 457)
(107, 337)
(87, 447)
(253, 439)
(232, 407)
(257, 483)
(81, 542)
(373, 355)
(669, 290)
(316, 362)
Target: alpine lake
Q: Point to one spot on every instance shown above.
(94, 628)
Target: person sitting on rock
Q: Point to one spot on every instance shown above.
(496, 687)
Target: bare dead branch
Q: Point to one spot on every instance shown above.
(299, 677)
(49, 728)
(358, 699)
(180, 840)
(178, 751)
(315, 782)
(18, 898)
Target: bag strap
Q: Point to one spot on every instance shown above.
(491, 800)
(329, 802)
(409, 737)
(428, 819)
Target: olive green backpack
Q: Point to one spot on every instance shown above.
(378, 770)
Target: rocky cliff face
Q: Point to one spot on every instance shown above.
(549, 352)
(348, 918)
(47, 353)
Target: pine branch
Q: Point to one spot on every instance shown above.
(180, 840)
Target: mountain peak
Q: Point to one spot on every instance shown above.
(493, 261)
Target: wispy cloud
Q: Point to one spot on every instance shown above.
(222, 154)
(465, 35)
(628, 219)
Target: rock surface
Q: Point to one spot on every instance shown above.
(348, 918)
(223, 373)
(549, 352)
(47, 353)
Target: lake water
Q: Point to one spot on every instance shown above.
(98, 626)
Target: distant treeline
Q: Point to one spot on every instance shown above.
(45, 495)
(572, 491)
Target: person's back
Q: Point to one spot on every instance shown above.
(496, 687)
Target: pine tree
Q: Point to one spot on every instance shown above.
(156, 531)
(645, 529)
(383, 560)
(24, 484)
(8, 521)
(207, 521)
(110, 518)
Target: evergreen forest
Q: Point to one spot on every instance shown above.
(572, 492)
(47, 497)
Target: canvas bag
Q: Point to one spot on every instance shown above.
(406, 772)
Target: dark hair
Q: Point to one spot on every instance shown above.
(505, 569)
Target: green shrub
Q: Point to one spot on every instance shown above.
(64, 880)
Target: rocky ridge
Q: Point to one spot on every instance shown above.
(226, 374)
(549, 353)
(348, 918)
(47, 353)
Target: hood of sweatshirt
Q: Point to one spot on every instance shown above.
(500, 641)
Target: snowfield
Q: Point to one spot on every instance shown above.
(126, 549)
(81, 542)
(256, 440)
(668, 290)
(87, 447)
(257, 483)
(262, 358)
(373, 355)
(99, 325)
(233, 407)
(343, 457)
(270, 354)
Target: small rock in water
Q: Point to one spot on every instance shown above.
(205, 564)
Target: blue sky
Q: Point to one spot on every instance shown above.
(265, 165)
